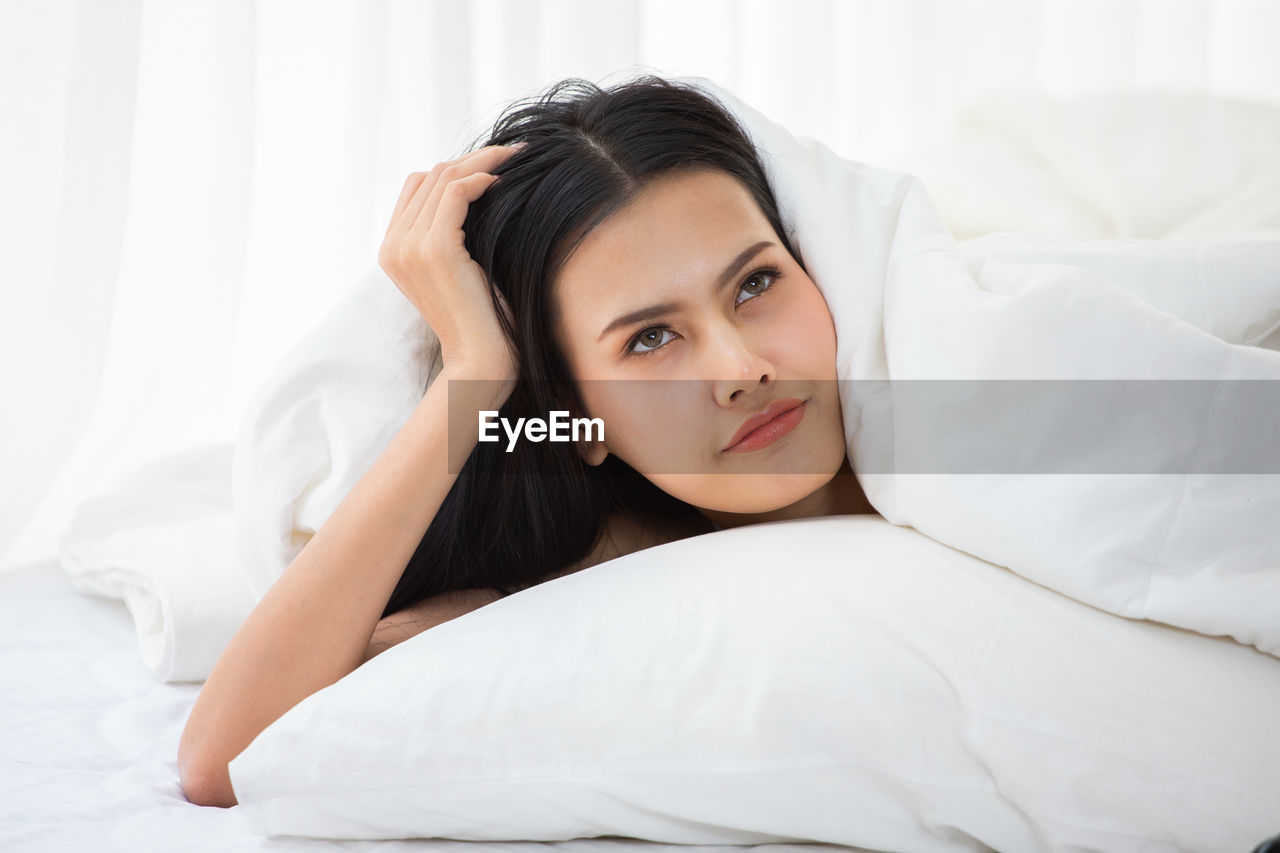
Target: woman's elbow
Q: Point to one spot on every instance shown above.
(205, 782)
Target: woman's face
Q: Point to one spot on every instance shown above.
(725, 339)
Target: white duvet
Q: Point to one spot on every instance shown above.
(1186, 539)
(1189, 538)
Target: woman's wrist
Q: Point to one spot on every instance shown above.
(482, 384)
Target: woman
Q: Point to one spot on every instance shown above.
(616, 254)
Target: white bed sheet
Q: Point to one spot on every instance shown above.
(88, 754)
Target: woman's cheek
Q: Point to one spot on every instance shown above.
(816, 330)
(802, 340)
(650, 423)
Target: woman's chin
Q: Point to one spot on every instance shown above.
(744, 494)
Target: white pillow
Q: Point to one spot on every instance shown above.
(835, 680)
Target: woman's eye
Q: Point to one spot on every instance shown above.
(761, 280)
(651, 338)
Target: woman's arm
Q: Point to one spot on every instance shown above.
(313, 626)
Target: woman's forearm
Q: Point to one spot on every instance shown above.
(313, 626)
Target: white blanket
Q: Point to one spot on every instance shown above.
(1194, 548)
(1181, 541)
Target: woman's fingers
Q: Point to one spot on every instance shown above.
(455, 198)
(425, 254)
(422, 190)
(419, 198)
(411, 185)
(485, 160)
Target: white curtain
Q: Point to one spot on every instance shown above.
(186, 187)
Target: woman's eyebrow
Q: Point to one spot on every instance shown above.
(655, 311)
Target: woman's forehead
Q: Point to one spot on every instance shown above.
(678, 232)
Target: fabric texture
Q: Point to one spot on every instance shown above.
(162, 539)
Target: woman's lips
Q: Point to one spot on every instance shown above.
(782, 417)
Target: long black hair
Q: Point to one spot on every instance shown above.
(513, 518)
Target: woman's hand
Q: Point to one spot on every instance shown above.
(424, 254)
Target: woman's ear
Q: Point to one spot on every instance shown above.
(592, 450)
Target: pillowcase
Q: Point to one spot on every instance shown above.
(833, 679)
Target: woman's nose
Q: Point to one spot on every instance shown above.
(735, 364)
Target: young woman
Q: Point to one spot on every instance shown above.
(610, 253)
